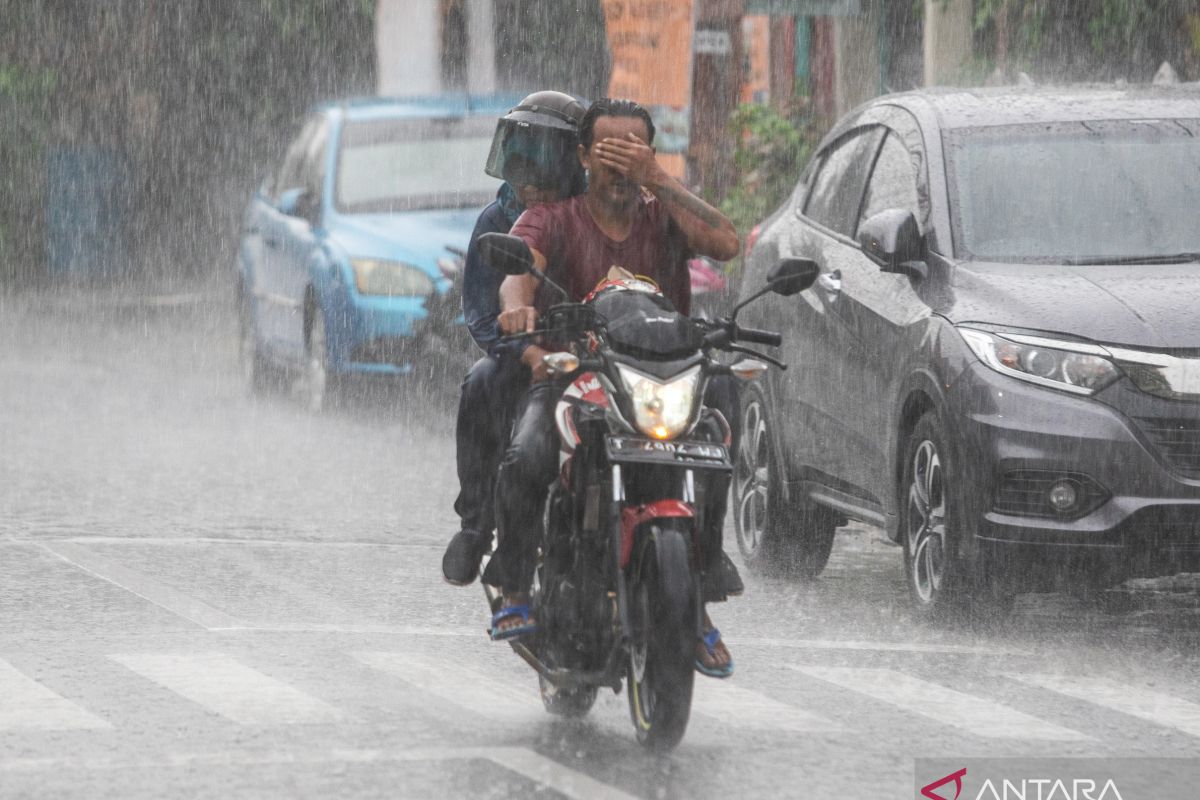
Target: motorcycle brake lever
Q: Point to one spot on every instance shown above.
(737, 348)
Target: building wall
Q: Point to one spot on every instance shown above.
(408, 47)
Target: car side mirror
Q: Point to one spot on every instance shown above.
(300, 203)
(792, 276)
(891, 239)
(508, 254)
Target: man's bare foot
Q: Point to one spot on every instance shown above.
(718, 659)
(510, 622)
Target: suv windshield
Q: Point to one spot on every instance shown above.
(1077, 192)
(409, 165)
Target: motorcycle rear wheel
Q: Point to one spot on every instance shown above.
(663, 647)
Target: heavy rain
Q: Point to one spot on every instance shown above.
(819, 415)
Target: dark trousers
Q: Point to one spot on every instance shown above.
(486, 407)
(530, 465)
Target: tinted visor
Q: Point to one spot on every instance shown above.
(532, 155)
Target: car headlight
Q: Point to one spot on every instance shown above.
(661, 410)
(1071, 366)
(374, 276)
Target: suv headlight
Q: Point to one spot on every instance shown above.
(374, 276)
(661, 410)
(1071, 366)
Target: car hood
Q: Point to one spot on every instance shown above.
(415, 237)
(1148, 306)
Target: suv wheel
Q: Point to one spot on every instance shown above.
(940, 581)
(775, 536)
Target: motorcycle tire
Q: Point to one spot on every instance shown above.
(662, 652)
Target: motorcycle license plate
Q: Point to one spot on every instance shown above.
(697, 455)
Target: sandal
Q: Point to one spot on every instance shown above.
(507, 612)
(711, 637)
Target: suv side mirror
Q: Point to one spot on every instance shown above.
(792, 276)
(299, 202)
(891, 238)
(508, 254)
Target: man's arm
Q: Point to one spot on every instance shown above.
(518, 314)
(708, 232)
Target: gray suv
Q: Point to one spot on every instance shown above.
(1000, 361)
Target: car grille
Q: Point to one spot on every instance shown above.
(1178, 440)
(1025, 493)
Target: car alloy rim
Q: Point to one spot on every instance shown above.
(752, 479)
(316, 363)
(926, 523)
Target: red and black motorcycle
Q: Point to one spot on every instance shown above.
(617, 592)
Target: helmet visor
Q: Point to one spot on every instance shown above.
(533, 155)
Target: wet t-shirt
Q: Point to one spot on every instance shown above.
(579, 254)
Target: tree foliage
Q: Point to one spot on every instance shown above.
(1090, 39)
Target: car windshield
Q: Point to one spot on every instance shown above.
(409, 165)
(1077, 193)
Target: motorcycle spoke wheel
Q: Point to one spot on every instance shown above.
(662, 651)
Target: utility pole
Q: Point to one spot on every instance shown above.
(716, 79)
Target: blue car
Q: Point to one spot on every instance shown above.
(349, 250)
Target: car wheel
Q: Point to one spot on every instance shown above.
(257, 375)
(319, 384)
(941, 583)
(775, 536)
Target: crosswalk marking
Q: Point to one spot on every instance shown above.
(162, 595)
(975, 714)
(223, 685)
(474, 690)
(1146, 704)
(26, 704)
(743, 708)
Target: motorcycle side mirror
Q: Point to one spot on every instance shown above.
(788, 277)
(508, 254)
(792, 276)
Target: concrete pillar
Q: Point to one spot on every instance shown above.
(481, 50)
(856, 75)
(408, 47)
(947, 39)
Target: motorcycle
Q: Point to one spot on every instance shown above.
(617, 588)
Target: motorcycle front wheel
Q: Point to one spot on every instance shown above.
(662, 652)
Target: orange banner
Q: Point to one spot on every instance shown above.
(651, 45)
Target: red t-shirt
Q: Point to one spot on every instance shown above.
(579, 254)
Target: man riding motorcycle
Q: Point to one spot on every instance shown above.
(534, 151)
(635, 216)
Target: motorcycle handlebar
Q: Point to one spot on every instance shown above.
(769, 338)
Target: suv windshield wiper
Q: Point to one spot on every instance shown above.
(1163, 258)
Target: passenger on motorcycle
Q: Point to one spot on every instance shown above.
(633, 215)
(534, 151)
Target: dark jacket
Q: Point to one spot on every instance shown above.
(481, 283)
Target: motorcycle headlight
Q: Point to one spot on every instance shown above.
(661, 410)
(374, 276)
(1071, 366)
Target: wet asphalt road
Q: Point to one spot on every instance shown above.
(204, 595)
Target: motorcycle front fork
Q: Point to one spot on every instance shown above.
(618, 501)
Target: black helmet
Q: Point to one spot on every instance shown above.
(536, 141)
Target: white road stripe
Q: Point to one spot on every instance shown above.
(977, 715)
(532, 765)
(743, 708)
(894, 647)
(26, 704)
(1156, 707)
(229, 688)
(496, 697)
(143, 586)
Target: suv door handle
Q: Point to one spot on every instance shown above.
(831, 282)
